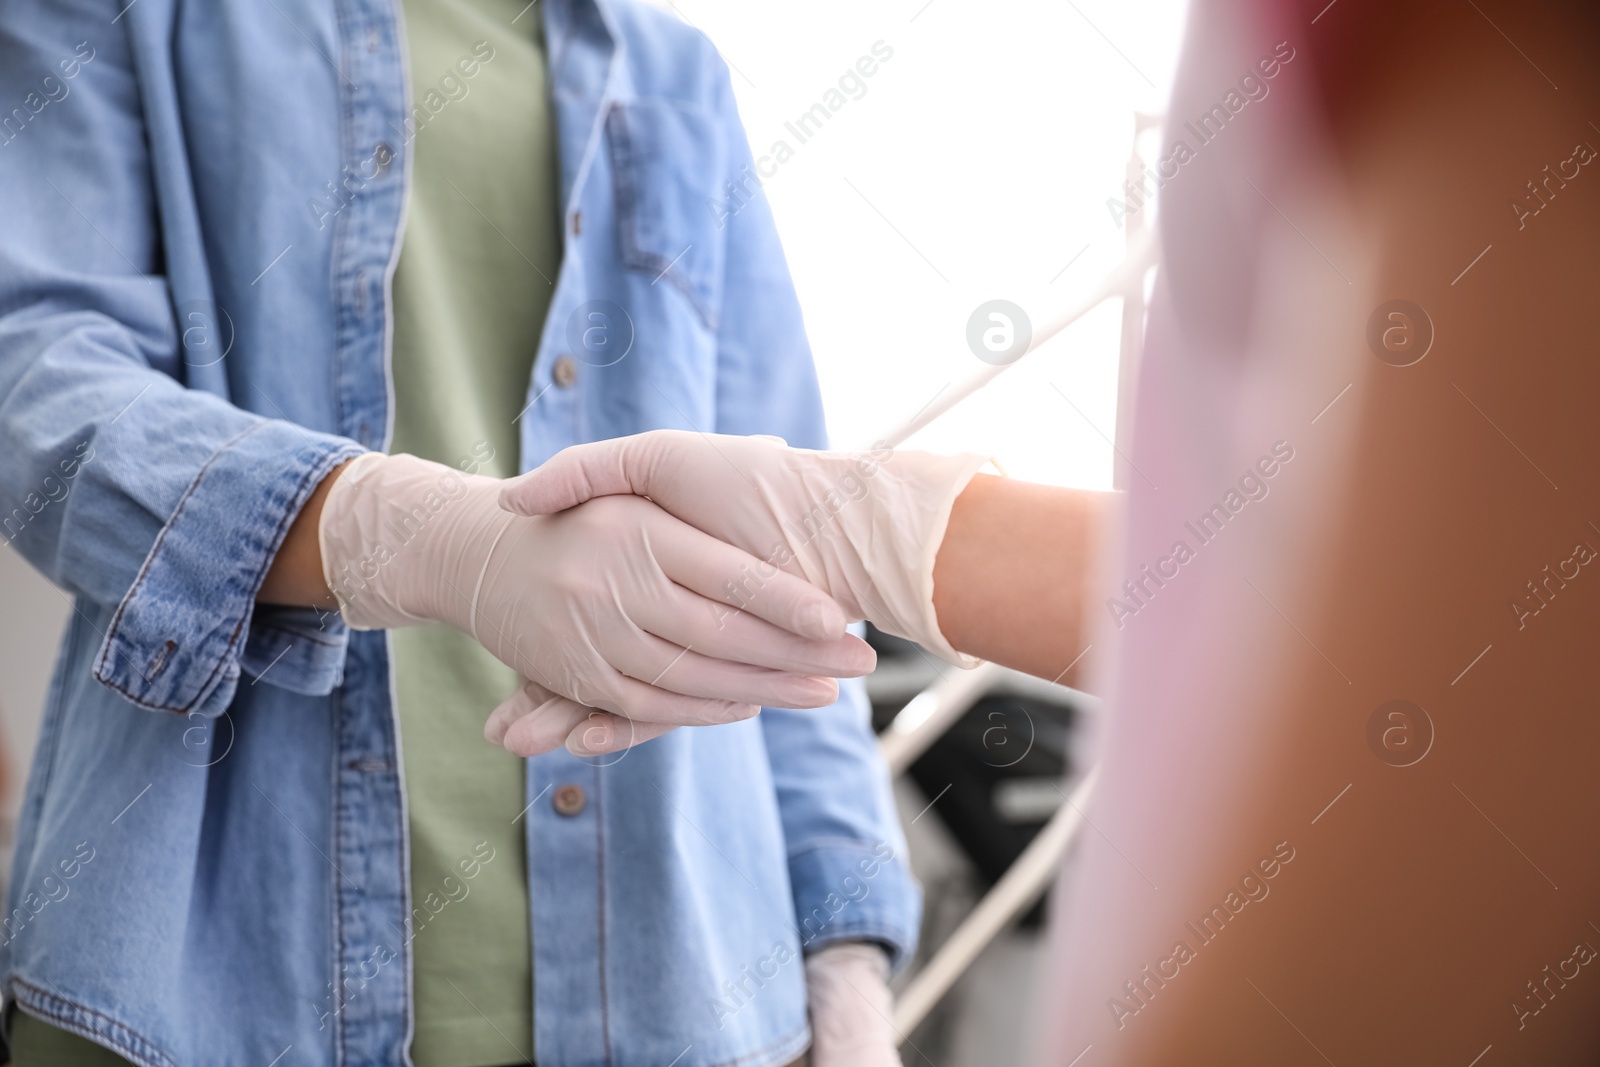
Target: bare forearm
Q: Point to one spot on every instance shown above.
(1013, 572)
(295, 578)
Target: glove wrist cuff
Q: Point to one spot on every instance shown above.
(912, 505)
(377, 524)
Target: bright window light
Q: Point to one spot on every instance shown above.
(974, 163)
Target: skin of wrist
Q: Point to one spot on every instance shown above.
(295, 578)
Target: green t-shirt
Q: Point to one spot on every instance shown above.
(476, 271)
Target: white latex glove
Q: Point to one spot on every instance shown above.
(863, 527)
(615, 605)
(852, 1012)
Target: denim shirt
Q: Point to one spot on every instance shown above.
(203, 204)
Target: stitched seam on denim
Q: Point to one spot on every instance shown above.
(683, 285)
(625, 191)
(295, 634)
(297, 500)
(144, 568)
(622, 183)
(318, 471)
(402, 832)
(55, 1009)
(341, 1031)
(600, 898)
(779, 1046)
(841, 844)
(341, 709)
(340, 368)
(341, 227)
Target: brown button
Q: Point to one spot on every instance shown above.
(577, 222)
(568, 800)
(564, 371)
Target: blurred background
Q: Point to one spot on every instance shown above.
(976, 165)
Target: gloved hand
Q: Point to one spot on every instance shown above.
(865, 528)
(852, 1012)
(615, 605)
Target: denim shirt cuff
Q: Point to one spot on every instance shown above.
(298, 649)
(184, 631)
(849, 890)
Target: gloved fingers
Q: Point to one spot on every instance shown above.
(732, 577)
(691, 621)
(545, 730)
(581, 472)
(632, 699)
(521, 702)
(665, 665)
(601, 733)
(607, 684)
(532, 720)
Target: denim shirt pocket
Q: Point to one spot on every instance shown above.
(669, 159)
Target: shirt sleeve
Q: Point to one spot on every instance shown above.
(847, 855)
(159, 504)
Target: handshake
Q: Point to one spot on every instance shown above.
(649, 582)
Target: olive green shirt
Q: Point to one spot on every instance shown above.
(482, 244)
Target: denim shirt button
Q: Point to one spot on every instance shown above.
(568, 800)
(382, 156)
(564, 372)
(158, 662)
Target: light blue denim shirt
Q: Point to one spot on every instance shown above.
(202, 206)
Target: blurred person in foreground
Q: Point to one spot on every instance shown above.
(1346, 811)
